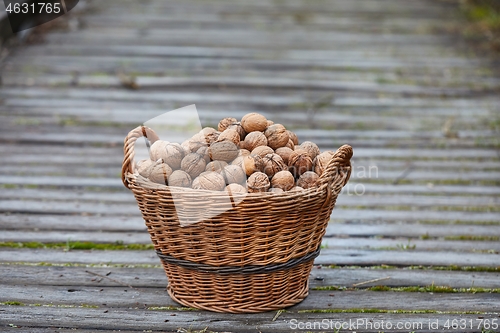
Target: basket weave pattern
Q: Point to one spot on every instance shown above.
(265, 230)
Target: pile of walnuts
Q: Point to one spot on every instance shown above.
(251, 155)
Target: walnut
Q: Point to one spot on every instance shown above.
(223, 151)
(238, 161)
(311, 148)
(258, 182)
(234, 174)
(143, 167)
(156, 151)
(238, 128)
(209, 181)
(235, 188)
(272, 164)
(308, 179)
(224, 123)
(296, 189)
(179, 178)
(270, 122)
(277, 136)
(275, 190)
(243, 152)
(160, 172)
(253, 122)
(191, 146)
(262, 151)
(283, 180)
(290, 144)
(193, 164)
(299, 162)
(216, 166)
(252, 163)
(204, 152)
(293, 137)
(321, 162)
(209, 135)
(284, 152)
(253, 140)
(173, 154)
(230, 135)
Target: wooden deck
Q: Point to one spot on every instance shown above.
(421, 112)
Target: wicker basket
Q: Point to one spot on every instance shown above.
(255, 256)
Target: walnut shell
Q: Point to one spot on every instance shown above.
(296, 189)
(290, 144)
(283, 180)
(179, 178)
(235, 188)
(293, 137)
(238, 161)
(193, 164)
(230, 135)
(209, 135)
(209, 181)
(308, 179)
(204, 152)
(277, 136)
(262, 151)
(216, 166)
(173, 154)
(275, 190)
(299, 162)
(238, 128)
(311, 148)
(224, 151)
(284, 152)
(143, 167)
(156, 151)
(258, 182)
(191, 146)
(252, 163)
(253, 122)
(253, 140)
(272, 164)
(234, 174)
(160, 172)
(243, 152)
(321, 162)
(224, 123)
(270, 122)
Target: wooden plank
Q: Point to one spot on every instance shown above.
(343, 257)
(320, 277)
(139, 320)
(408, 230)
(71, 222)
(125, 297)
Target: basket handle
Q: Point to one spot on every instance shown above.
(341, 161)
(129, 145)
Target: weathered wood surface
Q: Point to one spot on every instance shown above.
(421, 112)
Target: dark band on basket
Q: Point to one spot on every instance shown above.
(251, 269)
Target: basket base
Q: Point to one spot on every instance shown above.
(238, 293)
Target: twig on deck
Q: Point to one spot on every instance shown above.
(107, 277)
(370, 281)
